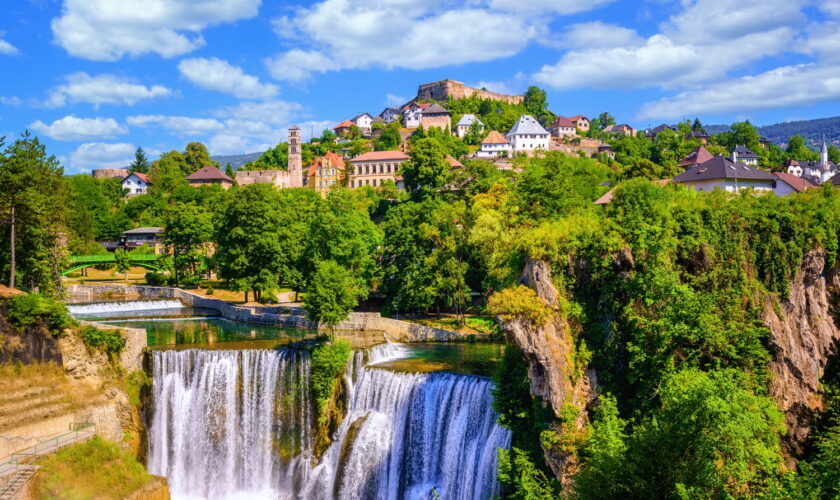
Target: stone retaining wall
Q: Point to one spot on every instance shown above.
(398, 330)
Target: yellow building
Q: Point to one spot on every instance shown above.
(325, 172)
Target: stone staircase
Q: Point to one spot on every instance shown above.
(29, 405)
(16, 481)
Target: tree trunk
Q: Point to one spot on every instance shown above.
(246, 296)
(12, 263)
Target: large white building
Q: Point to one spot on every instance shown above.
(465, 123)
(527, 136)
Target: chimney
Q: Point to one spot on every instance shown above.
(734, 156)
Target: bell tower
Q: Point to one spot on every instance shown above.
(295, 157)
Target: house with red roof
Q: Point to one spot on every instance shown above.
(376, 167)
(343, 128)
(494, 146)
(136, 184)
(325, 172)
(208, 176)
(581, 122)
(697, 156)
(563, 127)
(788, 184)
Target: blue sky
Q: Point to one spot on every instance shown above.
(94, 79)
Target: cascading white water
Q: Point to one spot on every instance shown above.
(237, 424)
(111, 307)
(230, 424)
(406, 435)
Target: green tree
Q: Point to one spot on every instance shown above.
(140, 163)
(833, 154)
(535, 101)
(188, 230)
(797, 150)
(427, 171)
(196, 157)
(33, 202)
(123, 262)
(229, 171)
(331, 296)
(389, 139)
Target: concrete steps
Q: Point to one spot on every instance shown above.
(15, 482)
(32, 404)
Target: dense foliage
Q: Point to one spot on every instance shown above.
(328, 363)
(28, 309)
(110, 340)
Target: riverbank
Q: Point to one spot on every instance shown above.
(402, 331)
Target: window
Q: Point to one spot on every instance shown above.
(352, 183)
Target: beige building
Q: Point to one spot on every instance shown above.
(375, 167)
(435, 116)
(325, 172)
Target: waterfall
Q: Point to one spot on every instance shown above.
(111, 307)
(231, 423)
(237, 424)
(407, 434)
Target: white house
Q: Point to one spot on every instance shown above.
(465, 123)
(494, 146)
(136, 183)
(527, 135)
(744, 155)
(363, 121)
(788, 184)
(390, 114)
(723, 173)
(413, 114)
(563, 127)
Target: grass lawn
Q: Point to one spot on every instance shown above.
(476, 325)
(93, 469)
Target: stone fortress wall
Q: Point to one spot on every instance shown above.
(442, 90)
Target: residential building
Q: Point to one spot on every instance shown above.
(390, 114)
(343, 128)
(463, 126)
(136, 183)
(363, 121)
(412, 114)
(721, 172)
(744, 155)
(150, 236)
(793, 167)
(697, 156)
(620, 129)
(527, 136)
(606, 149)
(563, 127)
(653, 132)
(818, 171)
(581, 122)
(208, 176)
(435, 115)
(325, 172)
(788, 184)
(375, 167)
(494, 146)
(699, 135)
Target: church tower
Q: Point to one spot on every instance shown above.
(295, 157)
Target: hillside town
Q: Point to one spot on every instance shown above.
(530, 136)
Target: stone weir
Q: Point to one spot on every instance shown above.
(402, 331)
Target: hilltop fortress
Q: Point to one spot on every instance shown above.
(442, 90)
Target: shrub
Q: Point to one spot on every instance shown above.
(155, 279)
(191, 281)
(210, 290)
(519, 303)
(110, 341)
(328, 363)
(26, 310)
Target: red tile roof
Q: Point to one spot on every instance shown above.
(578, 117)
(208, 173)
(695, 157)
(344, 124)
(380, 156)
(494, 138)
(453, 163)
(562, 121)
(797, 183)
(143, 177)
(333, 159)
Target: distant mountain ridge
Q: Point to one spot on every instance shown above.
(235, 161)
(814, 131)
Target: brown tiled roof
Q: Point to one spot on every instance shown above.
(577, 117)
(335, 160)
(453, 163)
(344, 124)
(562, 121)
(380, 156)
(696, 156)
(494, 138)
(797, 183)
(208, 173)
(142, 177)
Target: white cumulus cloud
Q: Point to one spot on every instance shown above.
(7, 48)
(102, 155)
(355, 34)
(558, 6)
(71, 128)
(221, 76)
(107, 30)
(102, 89)
(785, 87)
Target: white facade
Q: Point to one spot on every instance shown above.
(135, 185)
(527, 135)
(412, 116)
(565, 131)
(390, 114)
(795, 170)
(494, 150)
(364, 121)
(729, 185)
(465, 123)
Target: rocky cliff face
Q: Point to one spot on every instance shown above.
(803, 336)
(549, 351)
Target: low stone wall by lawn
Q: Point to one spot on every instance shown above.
(402, 331)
